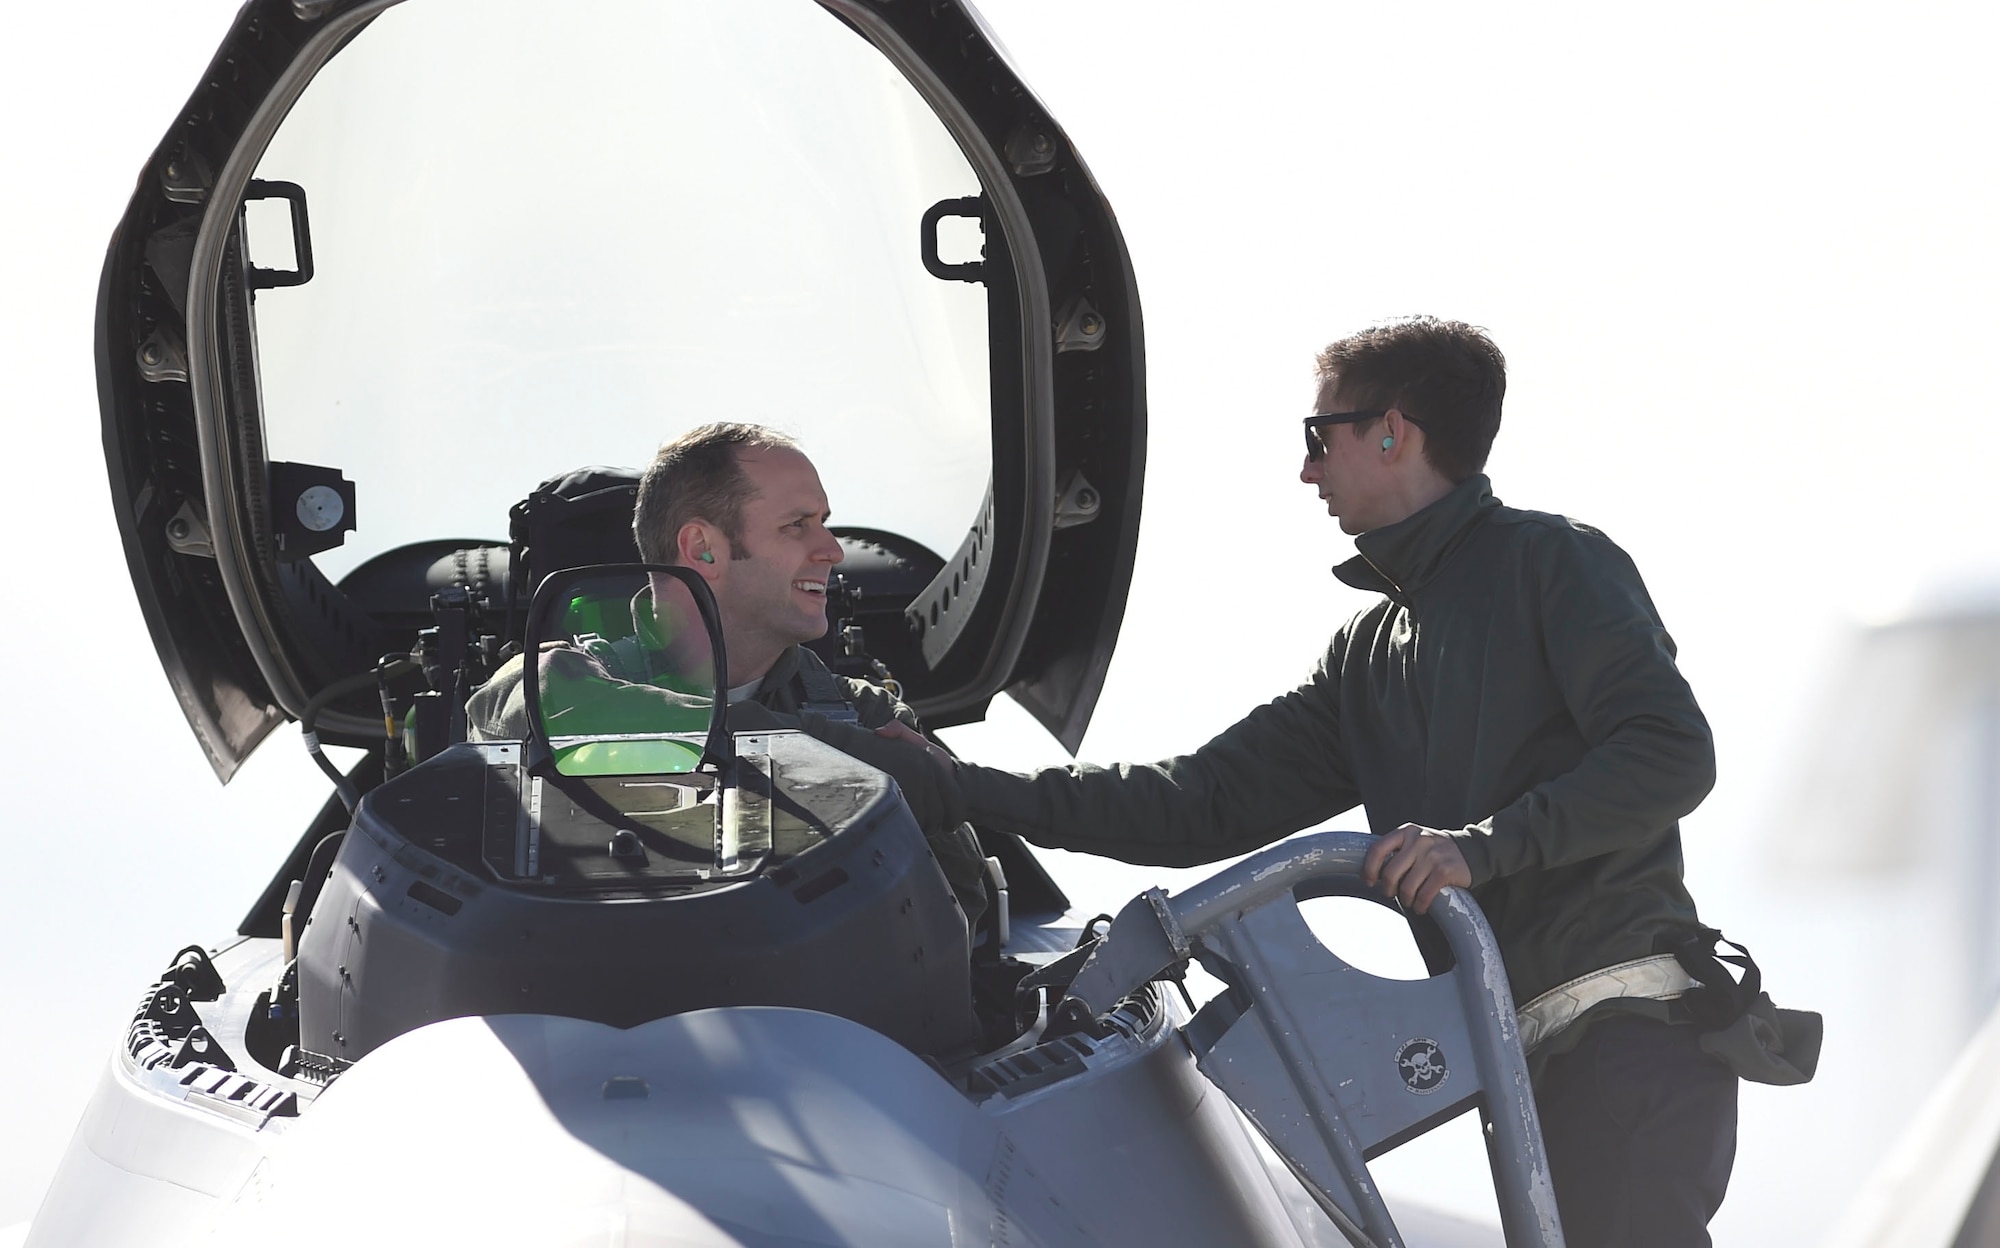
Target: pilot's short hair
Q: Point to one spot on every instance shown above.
(1446, 375)
(699, 476)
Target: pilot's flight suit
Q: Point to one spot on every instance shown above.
(1515, 688)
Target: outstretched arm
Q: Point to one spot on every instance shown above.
(1279, 769)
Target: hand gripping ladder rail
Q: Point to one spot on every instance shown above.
(1334, 1065)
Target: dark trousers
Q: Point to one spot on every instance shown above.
(1641, 1131)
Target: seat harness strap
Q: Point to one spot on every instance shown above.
(824, 695)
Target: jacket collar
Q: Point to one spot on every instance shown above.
(1398, 559)
(781, 673)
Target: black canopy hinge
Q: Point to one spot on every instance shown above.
(185, 177)
(1079, 326)
(161, 356)
(1032, 149)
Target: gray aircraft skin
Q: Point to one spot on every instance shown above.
(566, 989)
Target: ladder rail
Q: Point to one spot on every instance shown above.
(1156, 932)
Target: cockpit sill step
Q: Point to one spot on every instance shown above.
(175, 1054)
(234, 1096)
(168, 1042)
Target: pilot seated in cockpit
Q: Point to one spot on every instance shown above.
(743, 507)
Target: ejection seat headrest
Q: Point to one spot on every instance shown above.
(578, 518)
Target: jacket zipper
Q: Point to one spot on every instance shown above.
(1385, 576)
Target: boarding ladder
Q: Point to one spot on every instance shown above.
(1332, 1064)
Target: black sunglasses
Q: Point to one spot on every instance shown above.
(1316, 445)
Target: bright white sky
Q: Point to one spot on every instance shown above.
(1741, 258)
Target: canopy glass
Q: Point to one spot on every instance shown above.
(543, 239)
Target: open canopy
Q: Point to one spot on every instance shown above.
(396, 263)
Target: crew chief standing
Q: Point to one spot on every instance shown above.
(1510, 716)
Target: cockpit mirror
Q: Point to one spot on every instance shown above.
(622, 667)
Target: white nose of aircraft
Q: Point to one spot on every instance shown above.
(728, 1128)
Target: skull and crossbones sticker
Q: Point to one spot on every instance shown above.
(1421, 1064)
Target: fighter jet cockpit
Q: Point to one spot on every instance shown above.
(404, 302)
(462, 255)
(663, 862)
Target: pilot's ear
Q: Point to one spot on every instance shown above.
(701, 547)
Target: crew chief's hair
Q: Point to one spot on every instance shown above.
(1447, 375)
(699, 476)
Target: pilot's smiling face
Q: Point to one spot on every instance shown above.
(771, 586)
(1351, 478)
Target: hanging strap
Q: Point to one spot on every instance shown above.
(1719, 998)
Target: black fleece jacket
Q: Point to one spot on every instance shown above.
(1514, 687)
